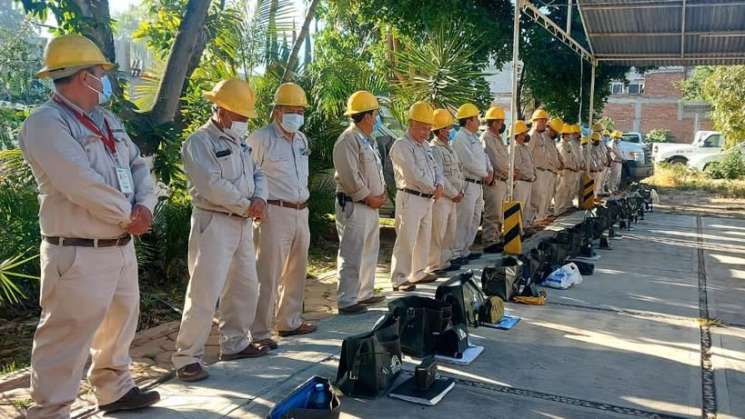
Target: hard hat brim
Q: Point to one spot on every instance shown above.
(47, 72)
(210, 96)
(349, 112)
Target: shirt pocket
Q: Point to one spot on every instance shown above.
(302, 154)
(99, 159)
(230, 165)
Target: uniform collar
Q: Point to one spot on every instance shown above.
(408, 137)
(279, 133)
(438, 141)
(358, 131)
(217, 132)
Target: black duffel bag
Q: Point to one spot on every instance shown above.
(370, 361)
(421, 321)
(500, 280)
(467, 300)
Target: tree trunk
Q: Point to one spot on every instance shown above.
(299, 41)
(183, 51)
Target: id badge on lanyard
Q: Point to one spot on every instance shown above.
(124, 176)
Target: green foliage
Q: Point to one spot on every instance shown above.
(659, 136)
(259, 40)
(693, 87)
(732, 166)
(724, 89)
(20, 59)
(11, 120)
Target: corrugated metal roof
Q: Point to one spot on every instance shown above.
(666, 32)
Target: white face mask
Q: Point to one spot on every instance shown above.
(292, 122)
(237, 129)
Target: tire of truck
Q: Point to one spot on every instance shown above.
(678, 160)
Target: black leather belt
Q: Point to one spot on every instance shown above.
(72, 241)
(280, 203)
(478, 182)
(344, 198)
(417, 193)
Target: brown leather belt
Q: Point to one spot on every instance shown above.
(227, 214)
(417, 193)
(285, 204)
(72, 241)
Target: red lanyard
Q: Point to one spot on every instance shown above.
(108, 140)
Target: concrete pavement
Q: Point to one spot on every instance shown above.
(627, 342)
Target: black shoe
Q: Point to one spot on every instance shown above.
(353, 309)
(253, 350)
(192, 372)
(494, 248)
(460, 261)
(405, 287)
(269, 343)
(375, 299)
(472, 256)
(133, 400)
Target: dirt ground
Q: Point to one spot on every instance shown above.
(700, 202)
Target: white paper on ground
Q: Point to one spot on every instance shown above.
(469, 356)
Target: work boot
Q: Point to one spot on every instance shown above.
(494, 248)
(375, 299)
(304, 329)
(192, 372)
(251, 351)
(269, 343)
(353, 309)
(133, 400)
(405, 287)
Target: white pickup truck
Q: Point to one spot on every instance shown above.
(637, 159)
(707, 146)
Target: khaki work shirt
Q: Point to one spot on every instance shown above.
(580, 154)
(284, 162)
(413, 165)
(545, 154)
(359, 169)
(222, 174)
(598, 158)
(471, 153)
(79, 191)
(568, 155)
(524, 165)
(450, 165)
(615, 152)
(499, 156)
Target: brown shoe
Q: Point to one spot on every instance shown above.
(269, 343)
(373, 300)
(304, 329)
(251, 351)
(427, 279)
(192, 372)
(405, 287)
(353, 309)
(133, 400)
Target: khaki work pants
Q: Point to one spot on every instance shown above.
(541, 194)
(444, 226)
(614, 178)
(521, 193)
(598, 178)
(282, 240)
(566, 191)
(494, 196)
(222, 267)
(89, 305)
(468, 212)
(553, 184)
(600, 181)
(413, 234)
(357, 260)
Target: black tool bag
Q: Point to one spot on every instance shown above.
(500, 280)
(453, 342)
(421, 321)
(585, 268)
(371, 361)
(467, 300)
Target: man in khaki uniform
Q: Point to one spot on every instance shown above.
(525, 173)
(570, 171)
(554, 163)
(283, 237)
(419, 183)
(95, 193)
(614, 177)
(496, 191)
(581, 144)
(227, 191)
(360, 192)
(477, 170)
(543, 148)
(598, 161)
(444, 217)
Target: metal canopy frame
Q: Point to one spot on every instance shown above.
(625, 32)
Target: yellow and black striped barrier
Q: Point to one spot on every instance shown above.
(588, 192)
(512, 227)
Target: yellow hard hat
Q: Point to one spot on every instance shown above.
(442, 118)
(556, 124)
(585, 140)
(539, 114)
(68, 54)
(421, 112)
(290, 94)
(467, 110)
(495, 112)
(597, 127)
(606, 133)
(234, 95)
(519, 127)
(361, 101)
(567, 129)
(617, 134)
(596, 137)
